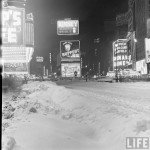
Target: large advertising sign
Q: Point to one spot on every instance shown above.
(67, 27)
(120, 54)
(70, 50)
(69, 69)
(15, 68)
(147, 50)
(12, 26)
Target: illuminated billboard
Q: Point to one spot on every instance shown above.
(120, 54)
(67, 27)
(15, 68)
(68, 69)
(13, 26)
(70, 50)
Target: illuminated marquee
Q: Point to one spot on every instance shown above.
(67, 27)
(68, 69)
(120, 54)
(70, 50)
(12, 26)
(14, 54)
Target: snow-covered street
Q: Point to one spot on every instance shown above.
(76, 115)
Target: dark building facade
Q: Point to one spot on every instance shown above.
(142, 11)
(108, 39)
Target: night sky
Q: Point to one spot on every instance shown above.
(91, 15)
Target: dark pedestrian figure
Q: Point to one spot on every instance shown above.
(75, 74)
(86, 77)
(25, 79)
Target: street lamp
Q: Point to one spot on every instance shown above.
(135, 40)
(116, 45)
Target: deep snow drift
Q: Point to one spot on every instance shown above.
(94, 116)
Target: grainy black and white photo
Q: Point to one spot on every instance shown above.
(75, 74)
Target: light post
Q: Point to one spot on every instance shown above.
(116, 46)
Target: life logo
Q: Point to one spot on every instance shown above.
(67, 46)
(137, 143)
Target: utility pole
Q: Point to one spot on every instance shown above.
(99, 68)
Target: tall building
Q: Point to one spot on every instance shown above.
(16, 49)
(107, 40)
(96, 56)
(142, 14)
(137, 19)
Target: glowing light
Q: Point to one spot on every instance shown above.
(135, 40)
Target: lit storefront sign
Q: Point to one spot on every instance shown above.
(13, 26)
(39, 59)
(15, 68)
(120, 55)
(70, 50)
(67, 27)
(147, 50)
(68, 69)
(141, 66)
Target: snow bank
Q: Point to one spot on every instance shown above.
(47, 116)
(8, 143)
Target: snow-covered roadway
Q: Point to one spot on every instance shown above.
(79, 115)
